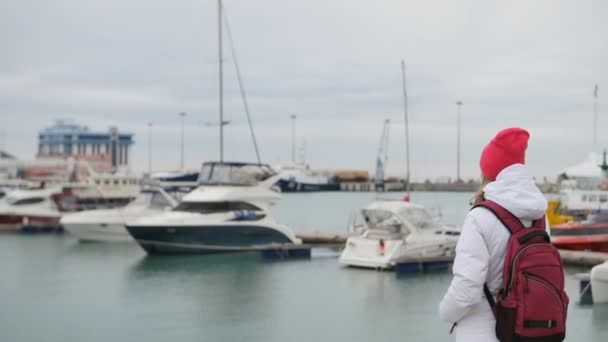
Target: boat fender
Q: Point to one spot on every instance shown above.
(382, 246)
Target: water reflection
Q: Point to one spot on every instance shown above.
(600, 317)
(211, 292)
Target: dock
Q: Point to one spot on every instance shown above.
(319, 238)
(582, 258)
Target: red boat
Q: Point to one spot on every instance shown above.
(589, 235)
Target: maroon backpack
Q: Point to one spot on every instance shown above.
(532, 304)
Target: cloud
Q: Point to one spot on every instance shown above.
(336, 64)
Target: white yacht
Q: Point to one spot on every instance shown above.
(300, 178)
(228, 212)
(108, 225)
(395, 231)
(36, 210)
(599, 283)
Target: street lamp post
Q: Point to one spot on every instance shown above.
(149, 149)
(182, 115)
(459, 105)
(293, 139)
(595, 91)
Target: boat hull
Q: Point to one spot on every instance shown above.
(599, 283)
(204, 239)
(29, 223)
(371, 253)
(99, 232)
(581, 237)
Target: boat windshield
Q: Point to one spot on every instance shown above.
(234, 173)
(384, 220)
(419, 217)
(151, 199)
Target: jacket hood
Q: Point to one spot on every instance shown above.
(515, 190)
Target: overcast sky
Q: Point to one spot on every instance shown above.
(333, 63)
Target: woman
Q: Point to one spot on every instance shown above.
(480, 251)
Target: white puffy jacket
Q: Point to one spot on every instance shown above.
(480, 253)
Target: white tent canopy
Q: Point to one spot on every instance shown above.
(589, 168)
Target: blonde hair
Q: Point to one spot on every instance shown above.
(479, 196)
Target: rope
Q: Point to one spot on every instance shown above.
(241, 86)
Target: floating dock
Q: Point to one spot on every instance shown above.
(583, 258)
(318, 238)
(310, 240)
(416, 265)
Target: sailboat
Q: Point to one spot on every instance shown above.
(228, 212)
(396, 231)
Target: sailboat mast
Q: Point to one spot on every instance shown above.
(407, 135)
(221, 74)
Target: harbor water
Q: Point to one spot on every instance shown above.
(53, 288)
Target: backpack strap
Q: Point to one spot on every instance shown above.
(540, 223)
(490, 298)
(510, 221)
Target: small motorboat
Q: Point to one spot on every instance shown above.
(108, 225)
(228, 212)
(588, 235)
(599, 283)
(396, 231)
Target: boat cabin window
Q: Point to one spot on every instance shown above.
(66, 202)
(27, 201)
(151, 199)
(592, 198)
(159, 201)
(603, 198)
(584, 198)
(233, 174)
(215, 207)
